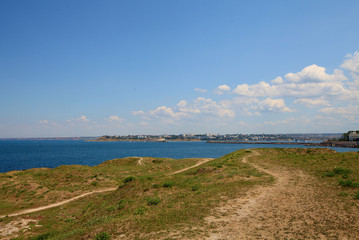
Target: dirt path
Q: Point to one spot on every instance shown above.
(296, 206)
(58, 203)
(202, 161)
(140, 162)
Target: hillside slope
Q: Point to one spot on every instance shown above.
(248, 194)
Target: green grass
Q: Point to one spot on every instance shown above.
(356, 196)
(150, 200)
(103, 236)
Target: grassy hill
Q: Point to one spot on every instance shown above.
(150, 202)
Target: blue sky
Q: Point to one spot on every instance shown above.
(88, 68)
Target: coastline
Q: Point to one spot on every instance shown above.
(144, 140)
(347, 144)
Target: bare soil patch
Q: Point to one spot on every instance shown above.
(11, 229)
(296, 206)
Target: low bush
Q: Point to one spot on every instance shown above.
(168, 184)
(195, 188)
(339, 170)
(129, 179)
(157, 161)
(329, 174)
(121, 204)
(103, 236)
(140, 211)
(153, 201)
(42, 236)
(348, 183)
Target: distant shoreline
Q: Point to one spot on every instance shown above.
(145, 140)
(348, 144)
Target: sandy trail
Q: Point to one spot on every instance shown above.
(202, 161)
(31, 210)
(140, 162)
(294, 207)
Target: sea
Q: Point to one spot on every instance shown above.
(26, 154)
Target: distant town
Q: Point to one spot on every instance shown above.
(315, 137)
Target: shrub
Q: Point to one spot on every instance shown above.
(348, 183)
(140, 211)
(329, 174)
(42, 236)
(111, 208)
(195, 188)
(153, 201)
(339, 170)
(157, 161)
(103, 236)
(121, 204)
(168, 184)
(129, 179)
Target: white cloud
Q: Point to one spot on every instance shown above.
(315, 73)
(352, 64)
(311, 82)
(261, 89)
(80, 119)
(44, 122)
(312, 103)
(279, 122)
(144, 123)
(346, 110)
(200, 107)
(166, 112)
(334, 93)
(84, 118)
(273, 105)
(277, 80)
(200, 90)
(138, 112)
(344, 114)
(115, 118)
(222, 89)
(254, 106)
(208, 107)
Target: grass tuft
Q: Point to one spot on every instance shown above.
(168, 184)
(140, 211)
(339, 170)
(129, 179)
(153, 201)
(356, 196)
(103, 236)
(348, 183)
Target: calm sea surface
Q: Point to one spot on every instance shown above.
(25, 154)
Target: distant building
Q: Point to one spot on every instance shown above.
(353, 136)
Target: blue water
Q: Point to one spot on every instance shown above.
(25, 154)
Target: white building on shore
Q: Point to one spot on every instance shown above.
(353, 136)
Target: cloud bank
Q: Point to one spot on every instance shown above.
(311, 94)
